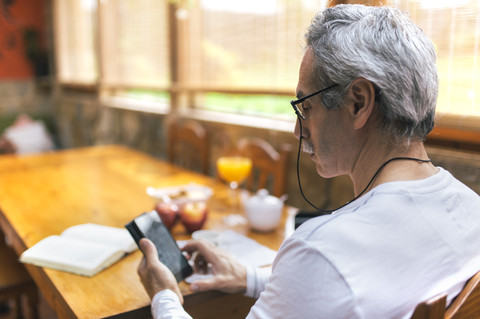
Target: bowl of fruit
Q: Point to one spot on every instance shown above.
(187, 203)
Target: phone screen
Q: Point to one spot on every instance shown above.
(150, 225)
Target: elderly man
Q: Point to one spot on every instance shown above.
(367, 92)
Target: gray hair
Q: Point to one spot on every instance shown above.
(382, 45)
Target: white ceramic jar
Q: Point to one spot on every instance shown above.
(263, 211)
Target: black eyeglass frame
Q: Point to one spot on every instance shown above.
(302, 99)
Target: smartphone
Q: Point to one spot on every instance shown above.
(149, 225)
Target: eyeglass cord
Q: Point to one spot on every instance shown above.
(363, 191)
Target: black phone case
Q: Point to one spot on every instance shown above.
(149, 225)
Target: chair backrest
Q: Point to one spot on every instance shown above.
(466, 304)
(269, 166)
(188, 146)
(15, 282)
(434, 308)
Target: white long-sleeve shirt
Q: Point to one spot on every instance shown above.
(401, 243)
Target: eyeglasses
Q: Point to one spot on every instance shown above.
(298, 104)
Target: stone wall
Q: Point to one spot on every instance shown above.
(29, 96)
(32, 97)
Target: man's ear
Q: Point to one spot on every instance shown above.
(362, 98)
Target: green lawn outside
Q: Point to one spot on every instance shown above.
(249, 104)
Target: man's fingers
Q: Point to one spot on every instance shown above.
(149, 250)
(154, 275)
(203, 247)
(204, 284)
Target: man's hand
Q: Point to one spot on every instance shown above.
(228, 274)
(154, 275)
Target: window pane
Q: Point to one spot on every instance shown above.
(75, 25)
(454, 27)
(246, 44)
(134, 36)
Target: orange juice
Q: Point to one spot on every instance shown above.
(234, 168)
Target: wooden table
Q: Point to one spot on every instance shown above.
(44, 194)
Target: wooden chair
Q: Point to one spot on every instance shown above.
(467, 303)
(465, 306)
(188, 146)
(269, 167)
(434, 308)
(15, 282)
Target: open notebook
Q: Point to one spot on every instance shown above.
(84, 249)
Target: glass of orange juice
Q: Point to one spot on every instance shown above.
(234, 170)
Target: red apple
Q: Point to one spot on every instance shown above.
(193, 215)
(168, 214)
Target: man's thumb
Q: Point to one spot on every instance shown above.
(148, 249)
